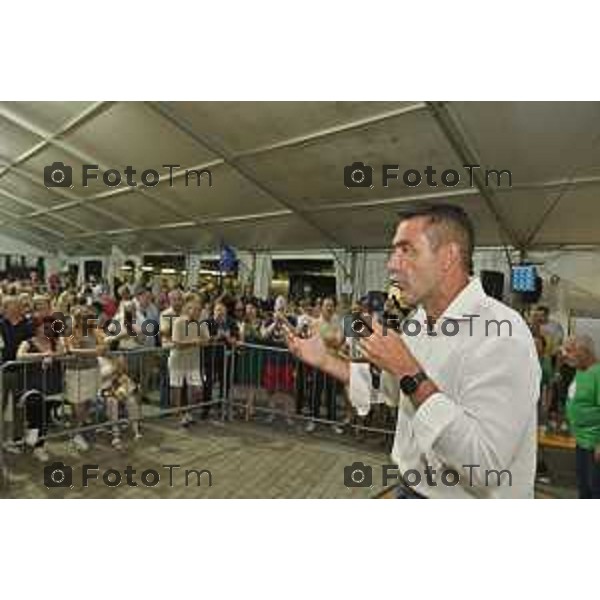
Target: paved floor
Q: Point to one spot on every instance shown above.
(245, 460)
(239, 460)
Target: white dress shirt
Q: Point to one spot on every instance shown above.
(485, 413)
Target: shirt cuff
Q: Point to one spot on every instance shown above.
(431, 418)
(359, 388)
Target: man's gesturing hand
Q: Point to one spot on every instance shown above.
(388, 352)
(310, 350)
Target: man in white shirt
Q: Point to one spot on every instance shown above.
(464, 370)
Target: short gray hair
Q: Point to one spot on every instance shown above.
(585, 342)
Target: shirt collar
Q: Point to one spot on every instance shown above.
(468, 302)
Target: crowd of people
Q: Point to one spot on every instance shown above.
(235, 344)
(85, 345)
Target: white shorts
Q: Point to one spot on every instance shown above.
(177, 378)
(82, 385)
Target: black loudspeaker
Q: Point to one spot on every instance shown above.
(533, 297)
(92, 268)
(493, 283)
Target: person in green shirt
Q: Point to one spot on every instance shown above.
(583, 413)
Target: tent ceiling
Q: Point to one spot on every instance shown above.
(277, 172)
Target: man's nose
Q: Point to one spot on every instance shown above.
(396, 265)
(391, 263)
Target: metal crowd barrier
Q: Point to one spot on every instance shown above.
(265, 376)
(245, 381)
(46, 394)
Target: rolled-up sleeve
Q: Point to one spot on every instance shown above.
(486, 421)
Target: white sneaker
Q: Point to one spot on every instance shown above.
(338, 429)
(80, 443)
(31, 437)
(116, 443)
(13, 448)
(41, 454)
(310, 427)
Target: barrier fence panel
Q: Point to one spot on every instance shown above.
(270, 381)
(77, 396)
(81, 397)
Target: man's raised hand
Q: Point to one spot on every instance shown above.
(310, 350)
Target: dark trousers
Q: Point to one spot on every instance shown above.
(164, 381)
(304, 377)
(37, 413)
(327, 386)
(12, 388)
(214, 361)
(588, 474)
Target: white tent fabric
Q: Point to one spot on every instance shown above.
(263, 275)
(581, 269)
(343, 272)
(192, 265)
(370, 272)
(272, 180)
(245, 268)
(11, 246)
(277, 172)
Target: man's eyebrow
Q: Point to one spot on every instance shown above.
(401, 244)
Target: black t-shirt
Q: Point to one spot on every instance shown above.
(221, 329)
(13, 335)
(278, 335)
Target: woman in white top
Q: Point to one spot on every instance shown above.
(82, 373)
(189, 334)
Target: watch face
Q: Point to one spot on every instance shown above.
(408, 384)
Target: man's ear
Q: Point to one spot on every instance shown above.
(450, 255)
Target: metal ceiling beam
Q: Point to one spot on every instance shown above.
(232, 160)
(29, 236)
(40, 212)
(329, 131)
(549, 185)
(568, 184)
(52, 139)
(190, 224)
(453, 134)
(349, 205)
(16, 218)
(93, 110)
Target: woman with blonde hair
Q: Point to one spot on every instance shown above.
(185, 371)
(119, 390)
(82, 379)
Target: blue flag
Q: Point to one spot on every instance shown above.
(228, 260)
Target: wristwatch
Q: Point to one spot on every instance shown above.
(410, 383)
